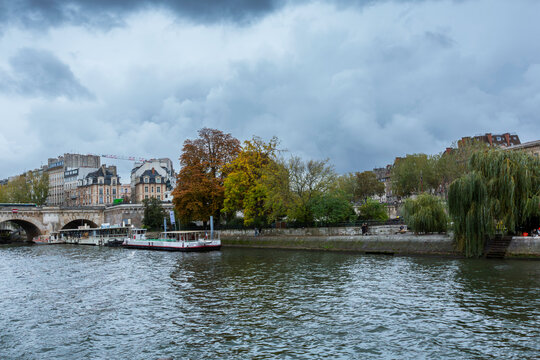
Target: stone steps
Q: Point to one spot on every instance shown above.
(496, 247)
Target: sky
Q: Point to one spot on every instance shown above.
(356, 82)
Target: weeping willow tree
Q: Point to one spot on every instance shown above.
(501, 192)
(468, 204)
(425, 214)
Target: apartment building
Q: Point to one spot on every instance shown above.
(158, 172)
(99, 187)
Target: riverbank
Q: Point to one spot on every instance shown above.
(384, 241)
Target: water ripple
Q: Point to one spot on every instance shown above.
(64, 302)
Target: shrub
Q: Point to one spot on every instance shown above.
(373, 210)
(425, 214)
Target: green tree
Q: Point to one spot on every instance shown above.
(153, 213)
(453, 163)
(368, 185)
(425, 214)
(308, 179)
(332, 207)
(414, 174)
(276, 182)
(348, 185)
(39, 188)
(20, 190)
(244, 189)
(373, 210)
(4, 194)
(502, 190)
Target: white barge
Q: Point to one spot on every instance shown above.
(103, 236)
(177, 241)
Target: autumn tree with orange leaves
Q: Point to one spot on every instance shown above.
(199, 191)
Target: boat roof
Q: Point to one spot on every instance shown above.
(98, 228)
(184, 231)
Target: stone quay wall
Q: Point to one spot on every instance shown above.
(381, 240)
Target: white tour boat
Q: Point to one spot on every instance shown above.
(103, 236)
(178, 241)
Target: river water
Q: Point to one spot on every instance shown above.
(75, 302)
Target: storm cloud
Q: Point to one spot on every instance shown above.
(37, 72)
(359, 84)
(111, 13)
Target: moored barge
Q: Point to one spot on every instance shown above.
(178, 241)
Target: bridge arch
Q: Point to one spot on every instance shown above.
(32, 230)
(74, 224)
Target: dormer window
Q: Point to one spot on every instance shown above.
(113, 181)
(146, 179)
(100, 180)
(158, 179)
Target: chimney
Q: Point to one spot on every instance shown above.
(153, 171)
(507, 138)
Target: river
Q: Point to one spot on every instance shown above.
(75, 302)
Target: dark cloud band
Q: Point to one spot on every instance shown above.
(110, 13)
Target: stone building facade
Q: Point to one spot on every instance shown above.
(61, 188)
(100, 187)
(161, 170)
(150, 185)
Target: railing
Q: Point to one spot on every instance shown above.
(295, 225)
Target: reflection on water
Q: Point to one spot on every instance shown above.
(87, 302)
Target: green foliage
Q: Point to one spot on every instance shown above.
(348, 185)
(39, 188)
(425, 214)
(26, 188)
(359, 186)
(373, 210)
(453, 164)
(245, 189)
(414, 174)
(468, 204)
(502, 190)
(153, 213)
(307, 181)
(368, 185)
(332, 207)
(276, 181)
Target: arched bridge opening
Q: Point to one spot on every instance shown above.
(19, 229)
(74, 224)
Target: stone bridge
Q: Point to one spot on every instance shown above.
(44, 220)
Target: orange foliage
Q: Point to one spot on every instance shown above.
(199, 191)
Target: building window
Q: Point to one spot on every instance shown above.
(146, 196)
(158, 197)
(158, 189)
(152, 189)
(146, 179)
(101, 199)
(100, 191)
(114, 192)
(146, 189)
(158, 180)
(114, 181)
(107, 191)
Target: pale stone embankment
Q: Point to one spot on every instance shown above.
(381, 240)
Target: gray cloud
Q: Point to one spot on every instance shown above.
(359, 87)
(111, 13)
(37, 72)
